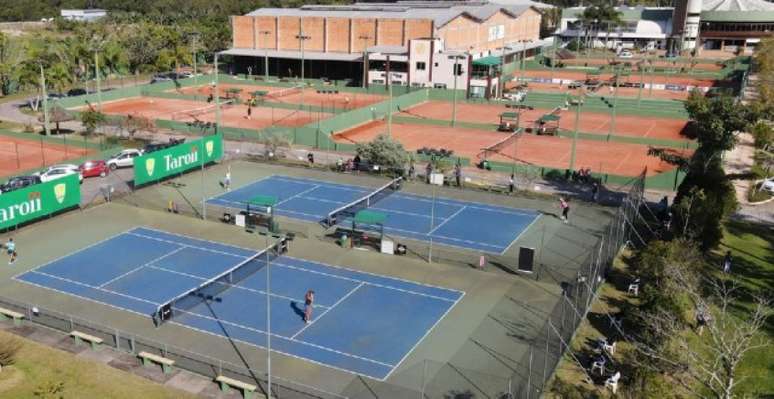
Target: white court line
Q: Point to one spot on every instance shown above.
(188, 246)
(362, 282)
(521, 234)
(96, 288)
(239, 188)
(289, 339)
(176, 250)
(252, 251)
(424, 336)
(372, 274)
(256, 345)
(241, 287)
(352, 291)
(325, 200)
(299, 195)
(80, 297)
(445, 238)
(447, 219)
(320, 217)
(75, 252)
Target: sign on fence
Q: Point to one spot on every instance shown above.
(178, 159)
(33, 202)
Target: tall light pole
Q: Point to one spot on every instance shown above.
(265, 34)
(523, 58)
(194, 50)
(365, 39)
(301, 39)
(45, 101)
(96, 75)
(217, 96)
(615, 102)
(578, 105)
(454, 93)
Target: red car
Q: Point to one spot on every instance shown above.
(94, 168)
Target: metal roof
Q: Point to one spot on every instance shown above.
(441, 12)
(737, 5)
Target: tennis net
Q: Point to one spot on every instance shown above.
(284, 92)
(504, 143)
(194, 113)
(210, 289)
(353, 207)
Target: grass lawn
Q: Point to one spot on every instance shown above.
(752, 246)
(40, 369)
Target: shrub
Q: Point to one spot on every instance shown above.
(9, 347)
(763, 134)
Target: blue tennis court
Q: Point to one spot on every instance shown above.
(469, 225)
(360, 323)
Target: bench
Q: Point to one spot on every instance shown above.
(498, 188)
(225, 382)
(166, 364)
(10, 314)
(80, 337)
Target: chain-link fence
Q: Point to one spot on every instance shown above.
(553, 340)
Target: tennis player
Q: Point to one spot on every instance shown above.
(10, 248)
(308, 303)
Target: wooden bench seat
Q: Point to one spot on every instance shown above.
(225, 382)
(10, 314)
(148, 358)
(80, 337)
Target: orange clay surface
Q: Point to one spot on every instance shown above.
(342, 100)
(634, 77)
(595, 123)
(548, 151)
(232, 115)
(17, 155)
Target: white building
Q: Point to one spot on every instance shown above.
(643, 27)
(83, 15)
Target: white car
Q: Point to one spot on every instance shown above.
(625, 54)
(123, 159)
(54, 173)
(768, 185)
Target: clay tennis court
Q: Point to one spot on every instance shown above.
(622, 91)
(17, 155)
(595, 123)
(634, 77)
(555, 152)
(700, 65)
(231, 115)
(340, 100)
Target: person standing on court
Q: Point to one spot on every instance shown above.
(10, 247)
(564, 204)
(458, 175)
(308, 303)
(227, 179)
(727, 262)
(249, 110)
(594, 191)
(511, 184)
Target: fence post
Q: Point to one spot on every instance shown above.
(424, 374)
(118, 340)
(132, 346)
(72, 326)
(529, 373)
(545, 358)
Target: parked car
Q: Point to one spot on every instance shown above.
(167, 76)
(517, 96)
(55, 173)
(18, 182)
(153, 147)
(768, 185)
(625, 54)
(94, 168)
(76, 92)
(123, 159)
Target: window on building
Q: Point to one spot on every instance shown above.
(458, 69)
(421, 66)
(439, 86)
(435, 64)
(416, 84)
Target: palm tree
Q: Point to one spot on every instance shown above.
(600, 12)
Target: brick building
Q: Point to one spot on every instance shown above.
(415, 43)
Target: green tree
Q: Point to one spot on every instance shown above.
(90, 119)
(385, 152)
(600, 14)
(10, 55)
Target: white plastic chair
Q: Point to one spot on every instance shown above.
(612, 382)
(598, 365)
(634, 287)
(609, 348)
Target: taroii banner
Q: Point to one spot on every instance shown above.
(178, 159)
(32, 202)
